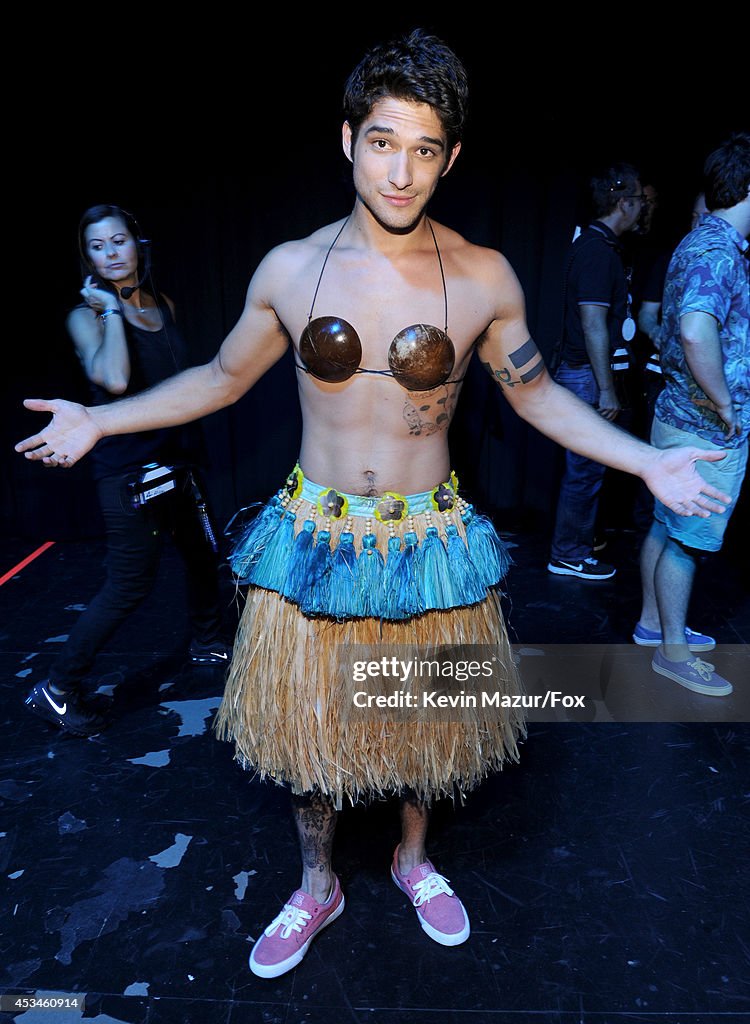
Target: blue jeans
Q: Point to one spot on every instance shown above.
(573, 536)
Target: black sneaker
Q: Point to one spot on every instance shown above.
(216, 653)
(586, 569)
(64, 710)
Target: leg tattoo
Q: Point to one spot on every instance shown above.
(315, 818)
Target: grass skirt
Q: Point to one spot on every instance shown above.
(288, 702)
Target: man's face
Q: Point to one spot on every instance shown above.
(399, 156)
(651, 201)
(633, 206)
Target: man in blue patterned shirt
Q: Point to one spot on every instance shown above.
(705, 356)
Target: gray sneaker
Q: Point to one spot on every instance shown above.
(696, 675)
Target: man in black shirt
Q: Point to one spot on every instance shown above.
(597, 327)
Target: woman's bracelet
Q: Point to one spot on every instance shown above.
(103, 316)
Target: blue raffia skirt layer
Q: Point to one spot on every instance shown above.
(388, 557)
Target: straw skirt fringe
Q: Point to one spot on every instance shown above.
(288, 708)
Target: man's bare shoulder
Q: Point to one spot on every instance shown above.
(477, 261)
(291, 257)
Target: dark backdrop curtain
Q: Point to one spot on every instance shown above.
(220, 165)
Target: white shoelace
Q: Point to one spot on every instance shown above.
(433, 885)
(703, 668)
(291, 919)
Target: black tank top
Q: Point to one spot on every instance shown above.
(154, 356)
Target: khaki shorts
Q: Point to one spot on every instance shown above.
(726, 474)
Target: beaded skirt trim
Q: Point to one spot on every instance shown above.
(389, 557)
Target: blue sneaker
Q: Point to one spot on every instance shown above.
(653, 638)
(694, 675)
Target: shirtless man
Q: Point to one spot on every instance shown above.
(357, 301)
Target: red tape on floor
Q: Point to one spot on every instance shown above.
(22, 565)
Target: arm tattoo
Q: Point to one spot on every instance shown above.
(535, 370)
(524, 354)
(527, 354)
(503, 376)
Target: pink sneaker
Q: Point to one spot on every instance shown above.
(287, 938)
(441, 913)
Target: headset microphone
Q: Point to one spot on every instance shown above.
(145, 246)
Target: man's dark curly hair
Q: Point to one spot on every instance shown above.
(611, 184)
(726, 172)
(417, 67)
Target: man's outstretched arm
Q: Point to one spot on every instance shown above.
(249, 350)
(515, 363)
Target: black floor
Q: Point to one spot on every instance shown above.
(605, 875)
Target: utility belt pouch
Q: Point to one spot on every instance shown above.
(154, 480)
(151, 481)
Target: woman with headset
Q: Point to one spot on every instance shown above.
(127, 340)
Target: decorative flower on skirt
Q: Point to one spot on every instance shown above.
(293, 485)
(443, 498)
(392, 508)
(332, 504)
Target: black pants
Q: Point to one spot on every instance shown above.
(135, 539)
(618, 489)
(643, 511)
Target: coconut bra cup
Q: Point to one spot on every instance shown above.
(421, 357)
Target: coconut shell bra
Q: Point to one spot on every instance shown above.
(420, 358)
